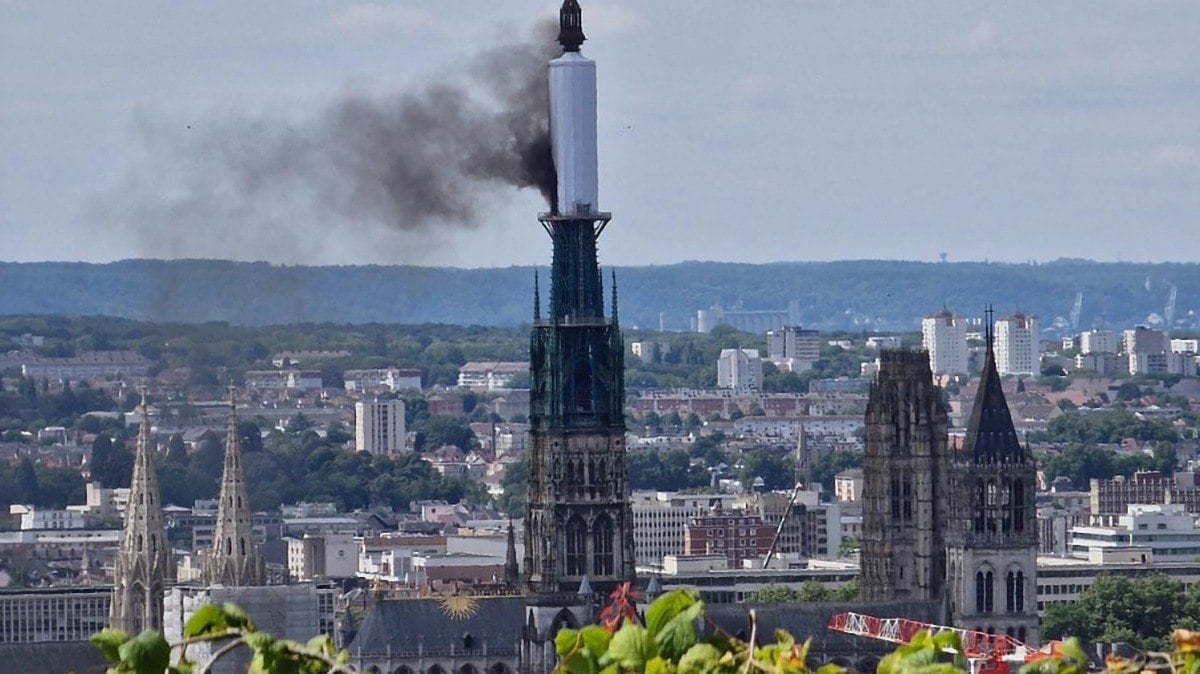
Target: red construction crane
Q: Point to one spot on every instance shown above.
(987, 653)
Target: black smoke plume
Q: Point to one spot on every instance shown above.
(244, 186)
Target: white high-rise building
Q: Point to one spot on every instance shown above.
(379, 426)
(739, 369)
(793, 348)
(1145, 340)
(1097, 341)
(1017, 346)
(660, 518)
(944, 336)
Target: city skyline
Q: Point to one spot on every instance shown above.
(840, 131)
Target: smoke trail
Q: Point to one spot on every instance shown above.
(253, 187)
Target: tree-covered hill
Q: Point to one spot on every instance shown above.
(860, 294)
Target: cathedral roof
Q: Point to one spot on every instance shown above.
(437, 623)
(991, 436)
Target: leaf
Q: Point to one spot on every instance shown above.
(261, 643)
(147, 653)
(679, 633)
(208, 619)
(662, 610)
(109, 642)
(631, 647)
(595, 639)
(565, 641)
(657, 666)
(699, 659)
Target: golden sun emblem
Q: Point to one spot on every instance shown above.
(459, 607)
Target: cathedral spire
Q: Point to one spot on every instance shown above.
(613, 271)
(537, 298)
(512, 573)
(234, 559)
(991, 435)
(143, 564)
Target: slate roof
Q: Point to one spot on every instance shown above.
(990, 433)
(438, 623)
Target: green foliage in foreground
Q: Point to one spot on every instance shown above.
(228, 628)
(665, 642)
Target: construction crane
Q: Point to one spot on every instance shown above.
(779, 529)
(986, 653)
(1076, 309)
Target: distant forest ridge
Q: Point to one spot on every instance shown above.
(855, 295)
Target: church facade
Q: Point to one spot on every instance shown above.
(950, 525)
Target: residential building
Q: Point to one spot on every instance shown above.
(660, 519)
(848, 485)
(811, 528)
(1144, 340)
(880, 342)
(944, 336)
(384, 379)
(278, 380)
(491, 375)
(379, 426)
(1102, 362)
(1154, 532)
(87, 365)
(650, 352)
(60, 614)
(793, 349)
(1098, 341)
(734, 534)
(1017, 345)
(316, 557)
(739, 369)
(1191, 346)
(34, 518)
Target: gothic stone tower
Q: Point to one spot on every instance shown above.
(578, 520)
(142, 567)
(992, 539)
(903, 553)
(234, 560)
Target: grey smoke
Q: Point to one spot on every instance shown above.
(244, 186)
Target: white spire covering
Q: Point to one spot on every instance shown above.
(573, 133)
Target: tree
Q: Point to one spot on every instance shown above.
(442, 429)
(1140, 611)
(777, 472)
(516, 486)
(27, 481)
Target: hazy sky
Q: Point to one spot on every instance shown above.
(740, 131)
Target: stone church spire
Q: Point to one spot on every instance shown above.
(234, 559)
(143, 565)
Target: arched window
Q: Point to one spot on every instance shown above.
(908, 499)
(1005, 507)
(241, 547)
(1018, 505)
(602, 546)
(992, 497)
(980, 593)
(601, 478)
(895, 494)
(1021, 633)
(984, 592)
(228, 546)
(139, 542)
(1010, 591)
(1020, 603)
(989, 586)
(576, 546)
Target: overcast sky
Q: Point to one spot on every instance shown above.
(736, 131)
